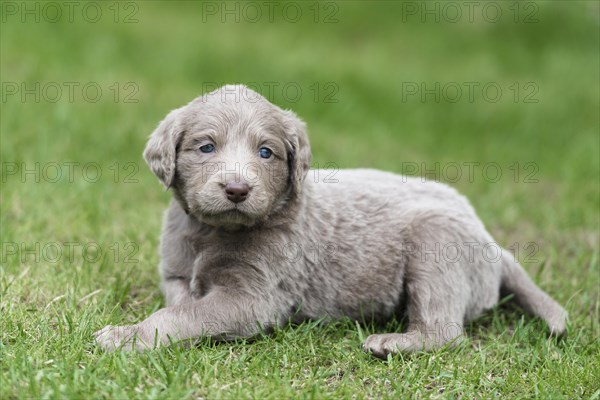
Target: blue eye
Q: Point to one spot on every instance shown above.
(264, 152)
(207, 148)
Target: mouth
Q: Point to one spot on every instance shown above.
(223, 212)
(229, 217)
(233, 212)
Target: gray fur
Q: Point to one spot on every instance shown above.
(310, 244)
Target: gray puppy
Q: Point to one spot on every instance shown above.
(254, 239)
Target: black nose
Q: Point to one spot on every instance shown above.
(237, 192)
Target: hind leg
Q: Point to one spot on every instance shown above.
(437, 298)
(414, 339)
(438, 293)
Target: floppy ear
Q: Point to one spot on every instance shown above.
(161, 149)
(299, 154)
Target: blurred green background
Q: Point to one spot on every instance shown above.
(366, 57)
(376, 83)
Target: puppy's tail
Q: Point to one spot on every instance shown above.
(533, 300)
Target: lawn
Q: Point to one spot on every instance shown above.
(500, 100)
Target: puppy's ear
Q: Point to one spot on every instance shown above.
(161, 150)
(299, 154)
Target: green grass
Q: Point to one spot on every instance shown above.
(50, 305)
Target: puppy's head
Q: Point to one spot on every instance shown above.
(232, 158)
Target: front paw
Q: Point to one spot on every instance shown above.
(127, 338)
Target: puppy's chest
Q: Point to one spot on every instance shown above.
(233, 264)
(261, 265)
